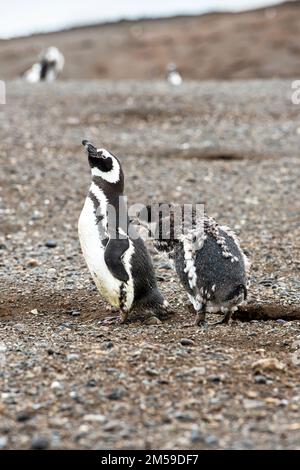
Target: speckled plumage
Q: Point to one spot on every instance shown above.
(210, 265)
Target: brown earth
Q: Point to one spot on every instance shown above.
(67, 381)
(257, 44)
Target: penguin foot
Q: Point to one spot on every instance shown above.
(117, 320)
(164, 310)
(200, 319)
(225, 320)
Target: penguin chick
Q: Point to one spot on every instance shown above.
(208, 260)
(120, 265)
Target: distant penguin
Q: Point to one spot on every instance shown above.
(173, 76)
(120, 265)
(50, 65)
(208, 260)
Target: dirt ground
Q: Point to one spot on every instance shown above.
(67, 381)
(256, 44)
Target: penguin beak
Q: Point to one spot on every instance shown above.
(91, 150)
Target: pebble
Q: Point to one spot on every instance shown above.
(183, 417)
(40, 443)
(32, 263)
(260, 379)
(75, 313)
(91, 383)
(94, 418)
(116, 394)
(52, 272)
(187, 342)
(196, 436)
(211, 440)
(152, 372)
(50, 244)
(214, 378)
(268, 363)
(56, 385)
(23, 416)
(73, 357)
(3, 442)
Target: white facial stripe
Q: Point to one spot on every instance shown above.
(112, 176)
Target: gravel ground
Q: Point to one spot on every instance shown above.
(67, 381)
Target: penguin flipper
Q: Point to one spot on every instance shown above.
(114, 251)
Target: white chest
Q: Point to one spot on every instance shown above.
(93, 252)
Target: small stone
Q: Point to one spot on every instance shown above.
(214, 378)
(23, 416)
(94, 418)
(39, 443)
(108, 344)
(50, 244)
(3, 442)
(56, 385)
(3, 246)
(72, 357)
(32, 263)
(260, 379)
(280, 321)
(34, 311)
(116, 394)
(268, 363)
(196, 436)
(211, 440)
(52, 272)
(91, 383)
(185, 417)
(187, 342)
(75, 313)
(152, 372)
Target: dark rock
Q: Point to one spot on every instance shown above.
(185, 417)
(186, 342)
(116, 394)
(214, 378)
(260, 379)
(23, 416)
(50, 244)
(39, 443)
(91, 383)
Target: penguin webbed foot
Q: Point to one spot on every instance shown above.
(225, 320)
(200, 319)
(116, 320)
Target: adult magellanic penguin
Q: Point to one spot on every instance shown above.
(120, 264)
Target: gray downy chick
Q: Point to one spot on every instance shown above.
(208, 260)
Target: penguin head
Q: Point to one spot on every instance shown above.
(104, 165)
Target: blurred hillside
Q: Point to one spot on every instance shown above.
(258, 44)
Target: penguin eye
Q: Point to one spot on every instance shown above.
(102, 155)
